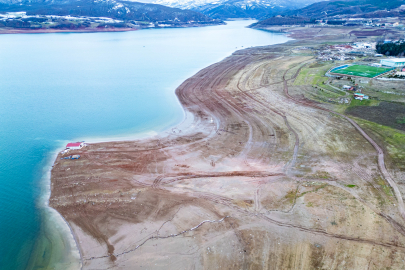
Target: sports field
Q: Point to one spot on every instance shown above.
(362, 71)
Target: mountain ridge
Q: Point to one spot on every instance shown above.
(346, 7)
(116, 9)
(224, 9)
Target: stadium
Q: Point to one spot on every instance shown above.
(359, 71)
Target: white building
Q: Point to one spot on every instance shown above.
(400, 74)
(363, 45)
(75, 146)
(393, 62)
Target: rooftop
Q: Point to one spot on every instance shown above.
(73, 144)
(395, 59)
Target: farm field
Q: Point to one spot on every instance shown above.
(362, 71)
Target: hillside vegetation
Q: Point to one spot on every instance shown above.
(122, 10)
(341, 7)
(395, 49)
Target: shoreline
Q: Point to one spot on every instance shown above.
(136, 136)
(94, 30)
(51, 214)
(189, 118)
(43, 202)
(45, 31)
(53, 143)
(184, 121)
(188, 122)
(142, 135)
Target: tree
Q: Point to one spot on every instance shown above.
(395, 49)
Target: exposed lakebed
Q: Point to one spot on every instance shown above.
(57, 88)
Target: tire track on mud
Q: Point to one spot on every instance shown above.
(204, 94)
(184, 176)
(380, 152)
(227, 202)
(280, 113)
(309, 230)
(383, 170)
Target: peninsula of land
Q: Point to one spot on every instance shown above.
(269, 170)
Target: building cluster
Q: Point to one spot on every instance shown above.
(382, 23)
(364, 22)
(344, 52)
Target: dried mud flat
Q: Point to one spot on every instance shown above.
(257, 177)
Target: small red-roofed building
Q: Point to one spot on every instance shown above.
(75, 146)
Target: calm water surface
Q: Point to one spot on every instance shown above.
(56, 88)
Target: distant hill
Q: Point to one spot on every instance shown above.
(289, 20)
(330, 9)
(224, 9)
(116, 9)
(346, 7)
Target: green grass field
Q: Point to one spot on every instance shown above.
(362, 71)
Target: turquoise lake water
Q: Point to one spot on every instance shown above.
(56, 88)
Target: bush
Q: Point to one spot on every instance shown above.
(17, 24)
(395, 49)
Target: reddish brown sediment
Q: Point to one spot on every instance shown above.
(254, 179)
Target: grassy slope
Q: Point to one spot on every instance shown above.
(391, 139)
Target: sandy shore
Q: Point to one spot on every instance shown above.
(259, 178)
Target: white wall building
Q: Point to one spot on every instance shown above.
(75, 146)
(393, 62)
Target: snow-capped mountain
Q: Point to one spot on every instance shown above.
(223, 9)
(185, 4)
(116, 9)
